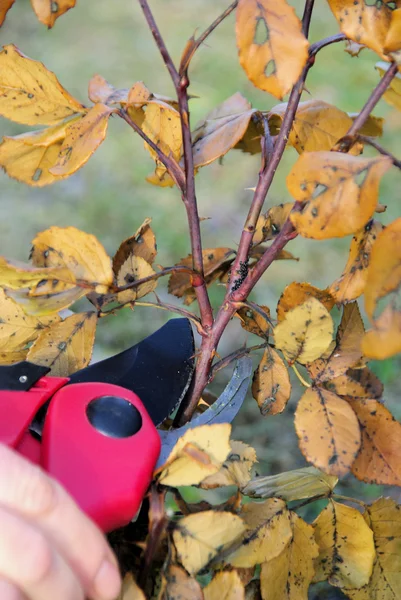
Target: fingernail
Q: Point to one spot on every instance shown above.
(107, 581)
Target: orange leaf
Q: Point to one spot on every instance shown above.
(379, 459)
(357, 383)
(384, 274)
(5, 6)
(30, 93)
(82, 139)
(272, 48)
(297, 293)
(269, 225)
(393, 37)
(328, 431)
(100, 90)
(254, 321)
(340, 192)
(352, 282)
(384, 340)
(48, 12)
(142, 243)
(271, 385)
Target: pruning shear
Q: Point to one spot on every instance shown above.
(96, 431)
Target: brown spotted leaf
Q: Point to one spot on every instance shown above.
(292, 485)
(297, 293)
(225, 585)
(357, 383)
(365, 23)
(346, 548)
(305, 333)
(268, 533)
(347, 352)
(236, 469)
(76, 250)
(352, 282)
(383, 517)
(270, 224)
(200, 452)
(272, 48)
(328, 431)
(30, 156)
(177, 584)
(379, 459)
(200, 537)
(340, 192)
(142, 243)
(83, 137)
(271, 385)
(384, 273)
(221, 130)
(48, 12)
(288, 575)
(255, 321)
(66, 347)
(162, 124)
(30, 93)
(133, 269)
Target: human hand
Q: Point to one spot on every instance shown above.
(49, 549)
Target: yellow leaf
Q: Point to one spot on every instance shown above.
(56, 299)
(347, 352)
(270, 224)
(384, 273)
(268, 533)
(236, 469)
(200, 452)
(297, 293)
(29, 156)
(177, 584)
(364, 23)
(346, 548)
(100, 90)
(317, 125)
(18, 329)
(130, 590)
(134, 268)
(82, 138)
(393, 37)
(5, 6)
(292, 485)
(48, 12)
(142, 243)
(31, 94)
(305, 333)
(16, 275)
(200, 537)
(373, 126)
(272, 48)
(221, 130)
(357, 383)
(66, 347)
(352, 282)
(379, 459)
(393, 93)
(271, 385)
(340, 192)
(225, 585)
(328, 431)
(162, 124)
(384, 339)
(288, 576)
(383, 517)
(76, 250)
(254, 321)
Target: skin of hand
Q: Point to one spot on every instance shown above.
(48, 547)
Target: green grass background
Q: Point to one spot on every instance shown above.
(109, 197)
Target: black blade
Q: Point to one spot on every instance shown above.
(224, 409)
(21, 376)
(158, 369)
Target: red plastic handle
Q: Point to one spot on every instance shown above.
(107, 476)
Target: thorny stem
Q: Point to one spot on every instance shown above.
(157, 525)
(166, 271)
(371, 142)
(307, 16)
(181, 83)
(347, 141)
(168, 161)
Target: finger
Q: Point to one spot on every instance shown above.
(27, 489)
(28, 560)
(8, 591)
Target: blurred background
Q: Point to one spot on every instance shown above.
(110, 198)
